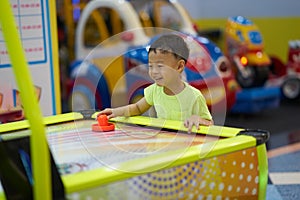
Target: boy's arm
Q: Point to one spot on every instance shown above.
(137, 108)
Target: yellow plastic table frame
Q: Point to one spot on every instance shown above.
(231, 163)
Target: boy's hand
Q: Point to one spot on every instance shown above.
(196, 121)
(107, 111)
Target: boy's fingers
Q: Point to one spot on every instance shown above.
(110, 116)
(197, 126)
(185, 123)
(205, 122)
(190, 127)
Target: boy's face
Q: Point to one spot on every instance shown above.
(164, 68)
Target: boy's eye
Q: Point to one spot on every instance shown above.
(160, 65)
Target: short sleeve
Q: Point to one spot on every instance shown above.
(148, 94)
(203, 108)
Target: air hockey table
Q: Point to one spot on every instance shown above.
(143, 158)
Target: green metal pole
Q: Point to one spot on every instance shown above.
(39, 149)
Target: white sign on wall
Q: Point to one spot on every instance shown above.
(35, 20)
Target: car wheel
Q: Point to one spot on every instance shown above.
(255, 77)
(291, 88)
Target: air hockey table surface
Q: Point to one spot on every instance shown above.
(149, 158)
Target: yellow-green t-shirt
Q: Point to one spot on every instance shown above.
(188, 102)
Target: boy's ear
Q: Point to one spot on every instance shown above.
(181, 64)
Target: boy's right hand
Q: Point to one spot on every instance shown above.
(108, 112)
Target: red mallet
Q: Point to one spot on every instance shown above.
(103, 124)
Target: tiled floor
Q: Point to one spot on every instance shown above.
(283, 147)
(284, 172)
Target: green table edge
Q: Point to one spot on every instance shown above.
(24, 124)
(214, 130)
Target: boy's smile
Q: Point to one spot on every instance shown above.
(165, 69)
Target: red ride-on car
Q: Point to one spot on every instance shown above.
(287, 76)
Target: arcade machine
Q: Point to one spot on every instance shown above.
(72, 155)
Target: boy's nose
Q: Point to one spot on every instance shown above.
(154, 69)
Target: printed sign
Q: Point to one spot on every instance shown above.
(34, 20)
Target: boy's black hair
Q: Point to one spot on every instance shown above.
(171, 43)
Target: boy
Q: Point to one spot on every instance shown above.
(171, 97)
